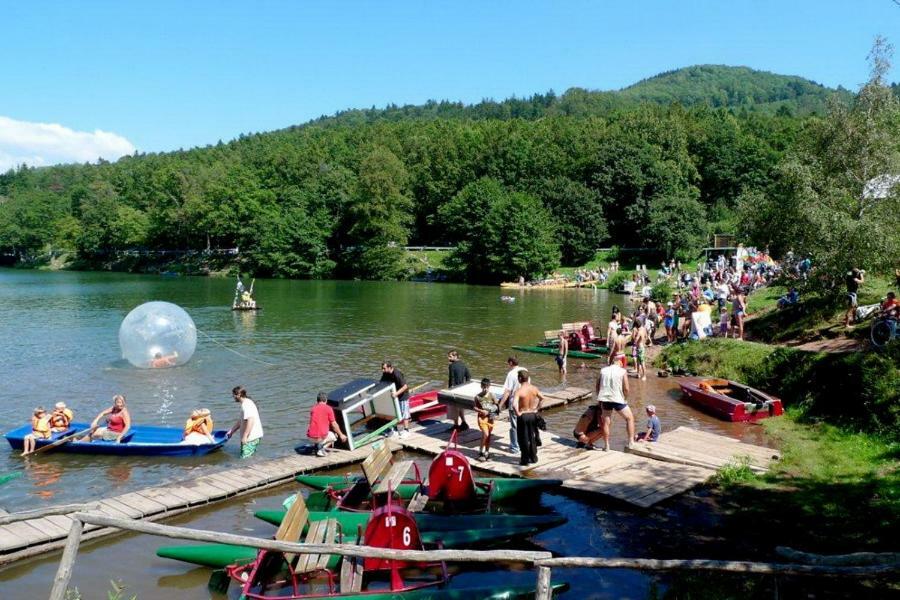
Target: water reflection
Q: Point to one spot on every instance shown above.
(119, 474)
(45, 474)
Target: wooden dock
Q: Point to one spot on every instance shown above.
(643, 476)
(36, 536)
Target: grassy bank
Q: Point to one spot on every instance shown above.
(858, 390)
(834, 492)
(837, 488)
(813, 318)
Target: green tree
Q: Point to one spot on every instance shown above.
(837, 198)
(379, 215)
(578, 213)
(523, 240)
(677, 226)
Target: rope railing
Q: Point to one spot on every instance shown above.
(874, 564)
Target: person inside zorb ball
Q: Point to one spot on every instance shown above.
(157, 335)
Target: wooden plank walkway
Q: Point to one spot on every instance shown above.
(37, 536)
(644, 476)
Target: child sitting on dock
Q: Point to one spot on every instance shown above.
(40, 429)
(487, 408)
(654, 428)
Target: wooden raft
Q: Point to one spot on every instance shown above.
(641, 477)
(36, 536)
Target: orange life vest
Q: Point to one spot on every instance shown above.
(40, 426)
(195, 425)
(61, 420)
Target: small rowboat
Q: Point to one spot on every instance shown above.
(730, 400)
(596, 351)
(141, 440)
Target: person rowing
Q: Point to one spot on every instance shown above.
(118, 422)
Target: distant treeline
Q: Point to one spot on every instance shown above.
(520, 185)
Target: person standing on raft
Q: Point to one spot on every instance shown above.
(458, 374)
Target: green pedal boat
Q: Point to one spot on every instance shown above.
(351, 521)
(504, 489)
(596, 351)
(219, 556)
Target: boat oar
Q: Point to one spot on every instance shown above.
(421, 385)
(64, 440)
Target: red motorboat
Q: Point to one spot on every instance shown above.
(730, 400)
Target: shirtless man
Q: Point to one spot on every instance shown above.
(527, 403)
(639, 342)
(562, 353)
(617, 350)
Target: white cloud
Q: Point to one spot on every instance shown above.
(40, 144)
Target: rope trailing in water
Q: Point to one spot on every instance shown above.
(214, 340)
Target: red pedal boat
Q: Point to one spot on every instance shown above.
(730, 400)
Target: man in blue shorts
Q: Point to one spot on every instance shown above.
(612, 389)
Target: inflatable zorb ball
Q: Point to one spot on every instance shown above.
(157, 335)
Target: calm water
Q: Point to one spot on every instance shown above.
(61, 343)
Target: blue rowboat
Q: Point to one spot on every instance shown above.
(141, 440)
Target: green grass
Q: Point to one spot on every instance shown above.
(813, 318)
(421, 260)
(835, 490)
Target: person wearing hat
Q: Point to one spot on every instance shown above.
(653, 427)
(60, 418)
(40, 428)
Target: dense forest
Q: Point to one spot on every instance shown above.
(520, 186)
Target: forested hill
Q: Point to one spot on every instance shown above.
(734, 87)
(519, 185)
(716, 86)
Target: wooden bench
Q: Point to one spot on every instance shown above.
(551, 334)
(295, 521)
(381, 472)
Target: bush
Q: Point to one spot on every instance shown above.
(616, 279)
(662, 291)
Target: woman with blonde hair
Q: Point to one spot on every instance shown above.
(118, 422)
(198, 428)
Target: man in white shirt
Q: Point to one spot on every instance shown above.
(612, 390)
(510, 387)
(249, 423)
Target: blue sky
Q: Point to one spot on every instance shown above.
(165, 75)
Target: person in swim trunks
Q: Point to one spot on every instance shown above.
(487, 408)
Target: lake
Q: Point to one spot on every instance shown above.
(61, 343)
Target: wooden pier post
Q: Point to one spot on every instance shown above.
(64, 572)
(544, 589)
